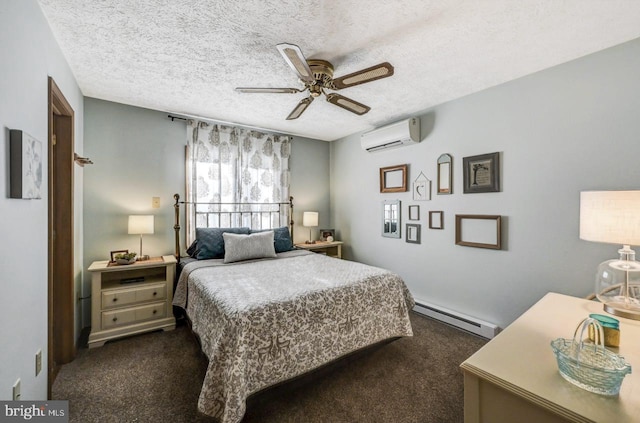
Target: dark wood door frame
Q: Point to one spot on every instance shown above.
(61, 301)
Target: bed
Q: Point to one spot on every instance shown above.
(262, 321)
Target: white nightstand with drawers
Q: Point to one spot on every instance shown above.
(131, 299)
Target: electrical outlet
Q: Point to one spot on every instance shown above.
(16, 390)
(155, 202)
(38, 362)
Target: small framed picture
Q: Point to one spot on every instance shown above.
(327, 235)
(481, 173)
(413, 233)
(414, 212)
(436, 220)
(421, 188)
(116, 252)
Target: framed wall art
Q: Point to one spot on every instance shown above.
(481, 173)
(421, 188)
(413, 233)
(479, 230)
(414, 212)
(436, 220)
(393, 178)
(445, 174)
(25, 174)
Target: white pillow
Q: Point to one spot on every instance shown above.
(245, 247)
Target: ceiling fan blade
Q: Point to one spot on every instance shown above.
(380, 71)
(348, 104)
(301, 107)
(268, 90)
(294, 58)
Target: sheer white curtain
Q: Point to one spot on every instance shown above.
(233, 165)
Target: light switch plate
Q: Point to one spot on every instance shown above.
(155, 202)
(16, 390)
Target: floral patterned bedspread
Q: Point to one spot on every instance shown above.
(263, 322)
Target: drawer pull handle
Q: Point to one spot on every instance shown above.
(115, 299)
(115, 319)
(155, 293)
(155, 311)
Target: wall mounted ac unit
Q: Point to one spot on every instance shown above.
(397, 134)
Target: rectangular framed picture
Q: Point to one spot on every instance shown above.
(479, 230)
(413, 233)
(393, 178)
(327, 235)
(25, 166)
(481, 173)
(436, 220)
(414, 212)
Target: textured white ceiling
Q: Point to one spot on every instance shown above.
(187, 56)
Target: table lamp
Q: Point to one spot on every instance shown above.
(310, 219)
(614, 217)
(139, 225)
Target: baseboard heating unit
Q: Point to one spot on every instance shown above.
(462, 321)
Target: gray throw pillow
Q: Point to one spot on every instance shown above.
(210, 244)
(246, 247)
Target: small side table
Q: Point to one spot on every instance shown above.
(131, 299)
(332, 249)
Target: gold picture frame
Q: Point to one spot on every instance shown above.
(393, 178)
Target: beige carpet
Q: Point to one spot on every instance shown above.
(157, 377)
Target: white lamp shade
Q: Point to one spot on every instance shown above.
(141, 224)
(310, 219)
(610, 216)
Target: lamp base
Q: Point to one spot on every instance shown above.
(627, 313)
(309, 242)
(143, 258)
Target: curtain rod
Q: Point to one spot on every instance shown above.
(222, 122)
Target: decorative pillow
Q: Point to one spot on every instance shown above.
(193, 249)
(211, 243)
(281, 238)
(245, 247)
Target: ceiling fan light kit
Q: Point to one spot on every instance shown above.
(317, 75)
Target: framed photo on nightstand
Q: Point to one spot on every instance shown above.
(327, 235)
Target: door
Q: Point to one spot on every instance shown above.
(61, 343)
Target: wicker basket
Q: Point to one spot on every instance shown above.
(590, 366)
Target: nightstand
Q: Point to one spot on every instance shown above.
(131, 299)
(332, 249)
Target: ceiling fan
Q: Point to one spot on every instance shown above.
(317, 76)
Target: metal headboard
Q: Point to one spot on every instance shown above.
(219, 212)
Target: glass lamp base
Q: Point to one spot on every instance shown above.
(143, 258)
(621, 311)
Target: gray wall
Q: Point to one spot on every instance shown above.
(29, 55)
(139, 154)
(560, 131)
